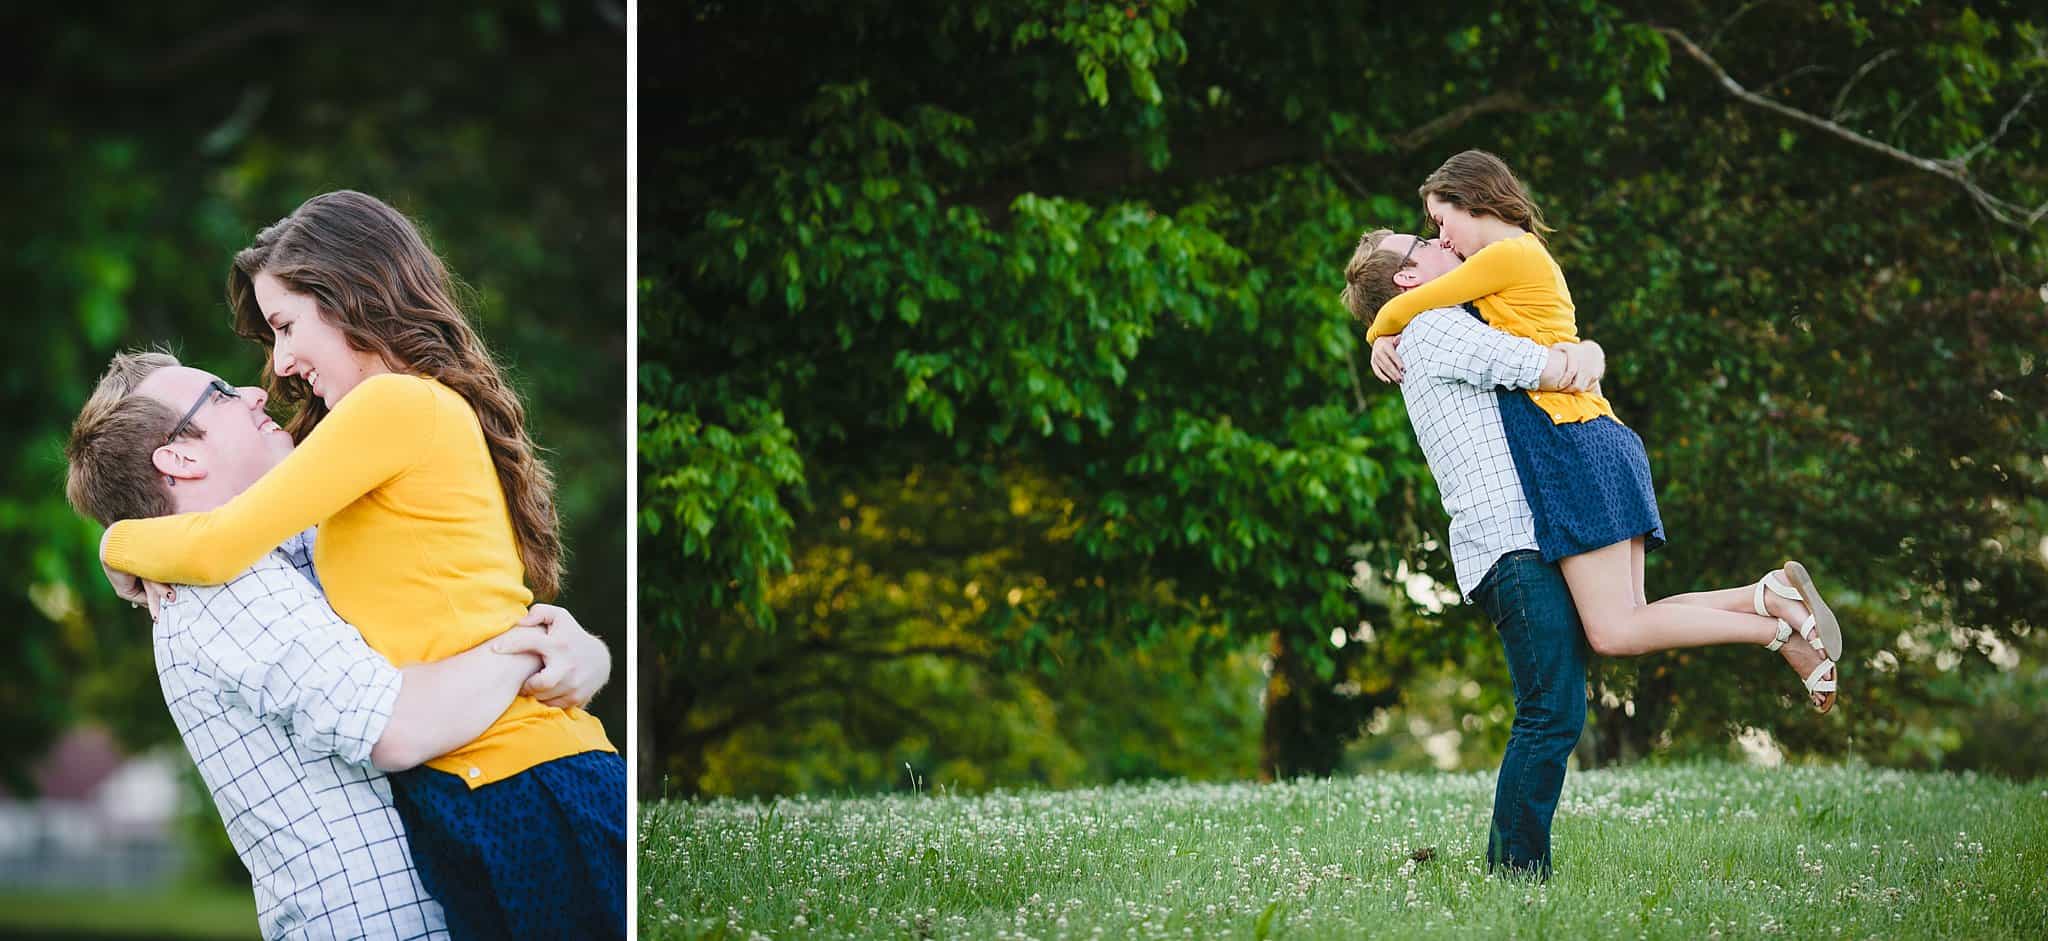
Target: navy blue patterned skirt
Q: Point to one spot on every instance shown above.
(1588, 483)
(541, 854)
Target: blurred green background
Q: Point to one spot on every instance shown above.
(999, 424)
(147, 142)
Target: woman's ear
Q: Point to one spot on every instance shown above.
(178, 461)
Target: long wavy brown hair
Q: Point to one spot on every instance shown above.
(1481, 184)
(375, 279)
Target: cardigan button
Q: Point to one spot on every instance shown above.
(475, 773)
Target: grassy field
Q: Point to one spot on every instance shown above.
(196, 912)
(1685, 852)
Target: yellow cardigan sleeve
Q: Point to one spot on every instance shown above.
(381, 429)
(1491, 270)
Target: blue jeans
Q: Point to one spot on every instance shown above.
(1531, 607)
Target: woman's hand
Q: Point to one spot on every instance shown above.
(127, 586)
(574, 663)
(158, 593)
(1386, 361)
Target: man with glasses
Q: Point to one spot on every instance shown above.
(287, 712)
(1449, 364)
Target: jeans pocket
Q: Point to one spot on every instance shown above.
(1499, 593)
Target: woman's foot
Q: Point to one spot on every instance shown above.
(1797, 651)
(1803, 660)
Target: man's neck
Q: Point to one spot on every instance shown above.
(199, 496)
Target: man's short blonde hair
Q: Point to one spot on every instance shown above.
(1369, 276)
(110, 474)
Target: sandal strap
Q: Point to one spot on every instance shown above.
(1784, 634)
(1812, 635)
(1814, 681)
(1775, 584)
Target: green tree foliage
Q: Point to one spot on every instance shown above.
(149, 143)
(1094, 249)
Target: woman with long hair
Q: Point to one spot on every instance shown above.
(437, 530)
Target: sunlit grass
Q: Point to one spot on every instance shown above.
(1688, 852)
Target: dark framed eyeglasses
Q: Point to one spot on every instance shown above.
(1412, 245)
(216, 387)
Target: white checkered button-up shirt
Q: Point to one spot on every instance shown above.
(280, 701)
(1452, 364)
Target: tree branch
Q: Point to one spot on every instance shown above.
(1714, 41)
(2003, 123)
(903, 715)
(1344, 176)
(1899, 120)
(947, 651)
(758, 709)
(2004, 211)
(1453, 119)
(1228, 152)
(1842, 97)
(1786, 81)
(227, 39)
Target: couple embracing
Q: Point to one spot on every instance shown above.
(1549, 494)
(343, 606)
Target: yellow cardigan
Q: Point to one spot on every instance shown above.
(1520, 290)
(416, 549)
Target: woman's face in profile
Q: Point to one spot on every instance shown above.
(306, 345)
(1459, 230)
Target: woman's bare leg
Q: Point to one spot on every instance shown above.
(1637, 550)
(1617, 624)
(1604, 590)
(1738, 600)
(1742, 601)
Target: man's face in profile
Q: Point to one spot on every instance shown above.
(1428, 259)
(240, 442)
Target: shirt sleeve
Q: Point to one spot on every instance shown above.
(298, 550)
(1494, 269)
(1452, 345)
(273, 646)
(378, 432)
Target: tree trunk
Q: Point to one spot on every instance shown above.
(1616, 737)
(653, 683)
(1308, 720)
